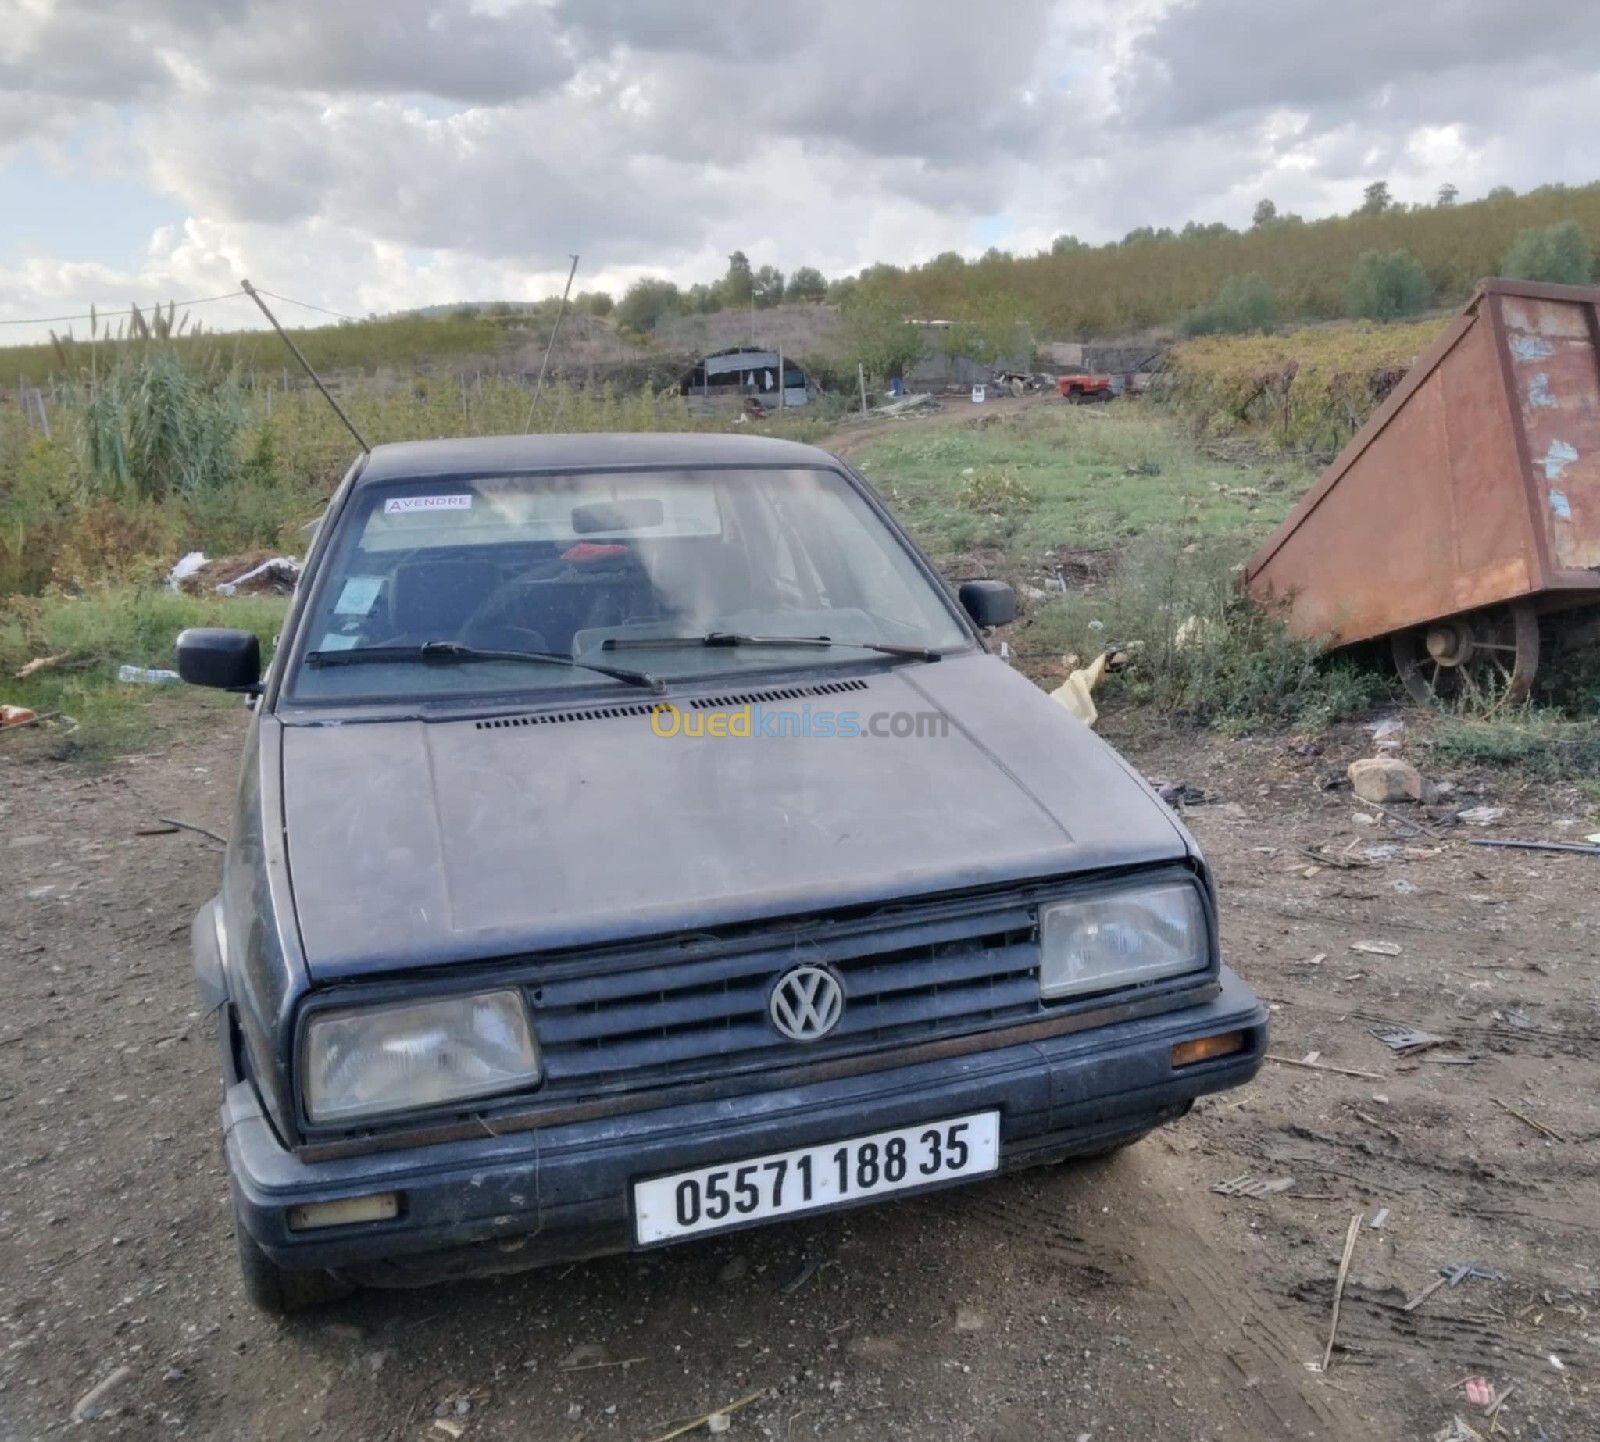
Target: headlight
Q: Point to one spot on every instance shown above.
(374, 1059)
(1121, 939)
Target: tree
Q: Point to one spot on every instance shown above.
(646, 303)
(1501, 192)
(701, 299)
(738, 284)
(1066, 244)
(1265, 213)
(840, 288)
(876, 331)
(806, 284)
(1244, 304)
(1386, 287)
(1376, 198)
(1558, 254)
(1448, 193)
(594, 302)
(998, 330)
(767, 287)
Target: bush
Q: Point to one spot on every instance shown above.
(1540, 743)
(647, 302)
(1386, 287)
(1558, 254)
(1202, 649)
(154, 428)
(1244, 305)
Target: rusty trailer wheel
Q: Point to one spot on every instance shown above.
(1487, 658)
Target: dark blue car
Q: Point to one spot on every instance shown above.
(565, 911)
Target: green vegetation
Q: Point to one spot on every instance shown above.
(1307, 392)
(1544, 742)
(1090, 478)
(1198, 648)
(97, 632)
(363, 348)
(876, 331)
(1386, 287)
(1559, 254)
(1244, 304)
(1167, 526)
(1156, 277)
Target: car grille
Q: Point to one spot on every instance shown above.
(704, 1012)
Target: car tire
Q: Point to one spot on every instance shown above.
(276, 1290)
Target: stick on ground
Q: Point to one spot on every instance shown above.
(1540, 1127)
(1338, 1286)
(705, 1417)
(1323, 1066)
(190, 826)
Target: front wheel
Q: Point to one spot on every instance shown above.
(277, 1290)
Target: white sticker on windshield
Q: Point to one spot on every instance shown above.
(399, 505)
(333, 641)
(358, 595)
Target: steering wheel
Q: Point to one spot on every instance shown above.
(489, 628)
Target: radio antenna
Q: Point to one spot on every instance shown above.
(305, 365)
(555, 330)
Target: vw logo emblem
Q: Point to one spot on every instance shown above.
(807, 1003)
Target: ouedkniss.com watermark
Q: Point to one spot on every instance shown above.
(755, 722)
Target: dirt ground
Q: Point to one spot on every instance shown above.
(1122, 1299)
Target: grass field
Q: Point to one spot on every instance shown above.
(1059, 477)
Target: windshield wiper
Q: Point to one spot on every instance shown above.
(446, 652)
(729, 638)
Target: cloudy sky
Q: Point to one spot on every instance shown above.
(370, 155)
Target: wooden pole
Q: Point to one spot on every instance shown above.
(781, 401)
(861, 375)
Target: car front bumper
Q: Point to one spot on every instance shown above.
(564, 1192)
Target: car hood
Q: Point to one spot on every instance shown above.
(415, 843)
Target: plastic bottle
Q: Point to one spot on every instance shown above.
(144, 676)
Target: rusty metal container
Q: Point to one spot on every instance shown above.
(1467, 507)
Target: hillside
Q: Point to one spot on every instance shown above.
(1114, 288)
(1149, 279)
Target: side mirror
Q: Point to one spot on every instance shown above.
(220, 657)
(989, 603)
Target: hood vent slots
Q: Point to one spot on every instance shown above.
(782, 693)
(555, 718)
(699, 703)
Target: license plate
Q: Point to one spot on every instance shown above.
(813, 1178)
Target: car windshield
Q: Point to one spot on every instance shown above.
(577, 569)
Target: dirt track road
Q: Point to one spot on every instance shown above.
(1116, 1300)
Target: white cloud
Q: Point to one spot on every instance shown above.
(377, 154)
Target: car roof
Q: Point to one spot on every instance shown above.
(490, 455)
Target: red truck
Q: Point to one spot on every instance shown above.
(1082, 389)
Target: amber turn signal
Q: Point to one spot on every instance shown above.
(380, 1207)
(1187, 1053)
